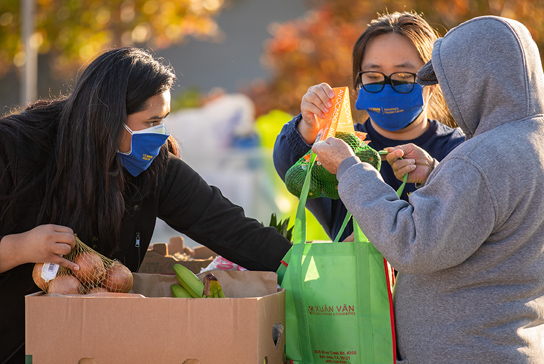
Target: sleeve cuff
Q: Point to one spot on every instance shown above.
(295, 140)
(345, 165)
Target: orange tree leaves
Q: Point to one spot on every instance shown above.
(300, 59)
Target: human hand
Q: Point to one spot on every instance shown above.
(412, 160)
(331, 152)
(46, 244)
(316, 102)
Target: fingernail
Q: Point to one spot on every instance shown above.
(329, 104)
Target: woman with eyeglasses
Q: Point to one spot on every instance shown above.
(386, 58)
(100, 163)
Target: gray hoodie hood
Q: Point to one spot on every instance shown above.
(472, 54)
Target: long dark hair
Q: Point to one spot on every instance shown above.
(421, 35)
(84, 185)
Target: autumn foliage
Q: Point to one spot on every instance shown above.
(72, 32)
(298, 58)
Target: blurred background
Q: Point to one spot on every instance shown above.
(242, 67)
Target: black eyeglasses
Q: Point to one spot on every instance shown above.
(371, 81)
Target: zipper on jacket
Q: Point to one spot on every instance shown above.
(137, 245)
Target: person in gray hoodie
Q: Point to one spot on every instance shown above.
(469, 244)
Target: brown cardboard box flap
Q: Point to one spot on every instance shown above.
(235, 284)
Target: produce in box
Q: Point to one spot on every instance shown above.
(96, 273)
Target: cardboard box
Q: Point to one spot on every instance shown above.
(148, 327)
(161, 257)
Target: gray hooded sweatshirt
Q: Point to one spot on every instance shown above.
(469, 245)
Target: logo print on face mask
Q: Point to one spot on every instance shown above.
(389, 109)
(145, 146)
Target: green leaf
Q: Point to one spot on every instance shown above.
(282, 226)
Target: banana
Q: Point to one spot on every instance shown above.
(179, 292)
(189, 281)
(212, 288)
(207, 286)
(216, 288)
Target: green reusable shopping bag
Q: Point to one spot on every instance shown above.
(338, 302)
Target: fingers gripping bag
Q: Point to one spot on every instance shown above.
(97, 273)
(338, 123)
(338, 300)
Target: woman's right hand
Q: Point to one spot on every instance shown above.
(316, 102)
(42, 244)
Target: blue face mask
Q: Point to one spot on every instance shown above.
(145, 146)
(390, 109)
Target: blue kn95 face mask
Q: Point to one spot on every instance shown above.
(145, 146)
(389, 109)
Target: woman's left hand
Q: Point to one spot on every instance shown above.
(331, 152)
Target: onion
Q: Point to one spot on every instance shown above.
(37, 277)
(91, 268)
(97, 290)
(118, 278)
(65, 284)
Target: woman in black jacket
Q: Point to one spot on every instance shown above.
(100, 164)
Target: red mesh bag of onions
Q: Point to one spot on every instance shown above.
(97, 273)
